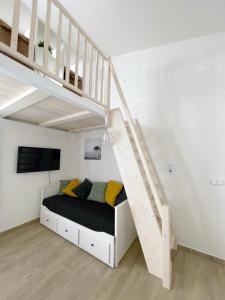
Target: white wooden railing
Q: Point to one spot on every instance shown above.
(77, 63)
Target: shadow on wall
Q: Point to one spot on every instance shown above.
(179, 136)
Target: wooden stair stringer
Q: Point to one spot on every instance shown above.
(146, 222)
(148, 157)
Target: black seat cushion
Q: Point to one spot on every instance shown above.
(91, 214)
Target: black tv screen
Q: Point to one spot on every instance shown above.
(32, 159)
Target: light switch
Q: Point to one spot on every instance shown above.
(219, 182)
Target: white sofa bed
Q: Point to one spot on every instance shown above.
(106, 247)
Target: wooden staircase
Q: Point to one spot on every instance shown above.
(145, 195)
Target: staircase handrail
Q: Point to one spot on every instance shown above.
(158, 201)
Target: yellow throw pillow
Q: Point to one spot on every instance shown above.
(112, 191)
(72, 185)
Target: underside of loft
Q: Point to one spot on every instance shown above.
(27, 96)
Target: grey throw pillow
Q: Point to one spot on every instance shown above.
(98, 192)
(63, 184)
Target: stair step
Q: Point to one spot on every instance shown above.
(143, 172)
(154, 180)
(136, 150)
(140, 162)
(153, 173)
(133, 142)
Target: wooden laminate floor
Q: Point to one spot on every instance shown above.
(35, 263)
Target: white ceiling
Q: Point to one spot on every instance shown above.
(121, 26)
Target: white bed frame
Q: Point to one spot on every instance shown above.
(107, 248)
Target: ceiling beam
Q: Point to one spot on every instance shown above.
(67, 119)
(22, 101)
(88, 128)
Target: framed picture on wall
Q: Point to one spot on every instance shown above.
(93, 149)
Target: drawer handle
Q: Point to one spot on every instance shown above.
(66, 230)
(92, 245)
(47, 220)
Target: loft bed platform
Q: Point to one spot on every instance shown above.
(27, 96)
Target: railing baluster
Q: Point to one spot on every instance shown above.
(91, 71)
(102, 80)
(85, 65)
(77, 58)
(96, 77)
(73, 21)
(68, 54)
(15, 25)
(33, 29)
(46, 35)
(58, 44)
(108, 86)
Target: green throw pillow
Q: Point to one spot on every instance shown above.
(98, 192)
(63, 184)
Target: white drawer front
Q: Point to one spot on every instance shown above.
(68, 230)
(49, 219)
(98, 247)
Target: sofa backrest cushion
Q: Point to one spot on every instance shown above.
(98, 192)
(70, 187)
(63, 184)
(121, 197)
(83, 190)
(112, 191)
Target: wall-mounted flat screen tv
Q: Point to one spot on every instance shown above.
(32, 159)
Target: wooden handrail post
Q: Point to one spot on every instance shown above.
(108, 99)
(167, 266)
(46, 35)
(15, 24)
(109, 86)
(91, 71)
(102, 80)
(58, 44)
(68, 53)
(33, 29)
(85, 65)
(77, 58)
(96, 76)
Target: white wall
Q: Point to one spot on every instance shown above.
(178, 94)
(95, 170)
(20, 193)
